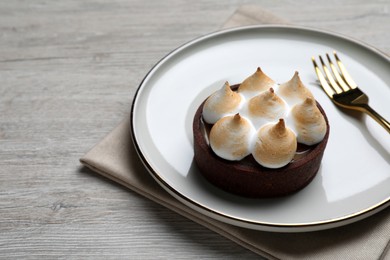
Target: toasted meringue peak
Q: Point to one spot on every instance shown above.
(275, 145)
(310, 124)
(221, 103)
(255, 83)
(293, 91)
(231, 137)
(266, 107)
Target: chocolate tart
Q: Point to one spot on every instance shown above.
(246, 177)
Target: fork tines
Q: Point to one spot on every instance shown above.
(337, 79)
(343, 91)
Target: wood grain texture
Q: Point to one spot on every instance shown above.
(68, 71)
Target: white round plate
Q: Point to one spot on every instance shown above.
(354, 179)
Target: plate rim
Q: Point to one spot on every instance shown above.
(237, 221)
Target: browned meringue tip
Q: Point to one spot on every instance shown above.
(294, 79)
(308, 101)
(226, 86)
(279, 128)
(281, 123)
(261, 73)
(237, 117)
(267, 94)
(255, 83)
(239, 120)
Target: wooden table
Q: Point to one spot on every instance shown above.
(69, 70)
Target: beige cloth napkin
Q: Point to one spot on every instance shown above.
(115, 158)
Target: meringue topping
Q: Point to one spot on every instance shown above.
(310, 124)
(266, 107)
(293, 91)
(231, 137)
(223, 102)
(259, 120)
(255, 83)
(275, 145)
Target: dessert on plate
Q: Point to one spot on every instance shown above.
(260, 139)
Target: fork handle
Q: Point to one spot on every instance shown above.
(383, 122)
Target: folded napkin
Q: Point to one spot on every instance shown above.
(115, 158)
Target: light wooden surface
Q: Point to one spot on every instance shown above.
(68, 72)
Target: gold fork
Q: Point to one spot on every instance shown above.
(343, 91)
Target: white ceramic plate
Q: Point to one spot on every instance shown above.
(354, 179)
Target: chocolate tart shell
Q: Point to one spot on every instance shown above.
(248, 178)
